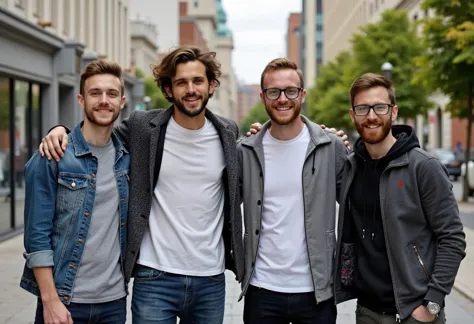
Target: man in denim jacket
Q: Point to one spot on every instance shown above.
(76, 213)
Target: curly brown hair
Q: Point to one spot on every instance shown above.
(166, 69)
(101, 67)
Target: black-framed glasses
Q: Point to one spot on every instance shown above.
(379, 109)
(274, 93)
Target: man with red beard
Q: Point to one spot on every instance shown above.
(289, 174)
(401, 237)
(76, 213)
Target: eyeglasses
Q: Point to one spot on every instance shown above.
(379, 109)
(274, 93)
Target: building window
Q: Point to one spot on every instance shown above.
(196, 4)
(427, 14)
(415, 17)
(38, 8)
(376, 5)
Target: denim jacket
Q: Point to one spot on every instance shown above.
(58, 205)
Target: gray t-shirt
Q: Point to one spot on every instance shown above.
(100, 278)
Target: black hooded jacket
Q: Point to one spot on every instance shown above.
(372, 279)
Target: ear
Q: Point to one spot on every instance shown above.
(262, 97)
(168, 92)
(394, 112)
(303, 95)
(212, 87)
(122, 102)
(351, 113)
(80, 100)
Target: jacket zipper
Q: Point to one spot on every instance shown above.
(387, 243)
(420, 261)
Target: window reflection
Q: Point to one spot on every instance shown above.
(4, 152)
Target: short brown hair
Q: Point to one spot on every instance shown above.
(371, 80)
(101, 67)
(166, 69)
(281, 64)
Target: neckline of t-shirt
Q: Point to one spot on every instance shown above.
(303, 133)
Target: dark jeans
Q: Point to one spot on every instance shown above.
(366, 316)
(160, 298)
(263, 306)
(114, 312)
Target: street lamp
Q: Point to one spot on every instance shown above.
(387, 68)
(147, 101)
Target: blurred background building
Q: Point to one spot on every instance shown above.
(326, 29)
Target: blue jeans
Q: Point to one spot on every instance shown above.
(114, 312)
(262, 306)
(160, 298)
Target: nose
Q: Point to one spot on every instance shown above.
(282, 97)
(103, 98)
(190, 88)
(372, 115)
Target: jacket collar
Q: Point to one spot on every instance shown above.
(317, 134)
(82, 148)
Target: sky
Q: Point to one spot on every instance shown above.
(259, 29)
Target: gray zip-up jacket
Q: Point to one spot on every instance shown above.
(423, 232)
(321, 176)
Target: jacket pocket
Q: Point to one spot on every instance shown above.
(330, 243)
(71, 191)
(419, 260)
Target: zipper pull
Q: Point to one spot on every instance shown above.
(363, 233)
(373, 236)
(397, 318)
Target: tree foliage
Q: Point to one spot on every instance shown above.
(393, 39)
(448, 64)
(158, 100)
(257, 114)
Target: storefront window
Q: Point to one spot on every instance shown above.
(5, 212)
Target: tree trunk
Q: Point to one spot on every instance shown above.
(467, 151)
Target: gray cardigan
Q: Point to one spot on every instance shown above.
(140, 134)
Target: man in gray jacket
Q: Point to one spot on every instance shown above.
(400, 237)
(289, 174)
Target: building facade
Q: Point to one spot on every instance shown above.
(143, 45)
(247, 96)
(293, 37)
(45, 45)
(311, 40)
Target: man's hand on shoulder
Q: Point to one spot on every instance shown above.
(340, 133)
(54, 144)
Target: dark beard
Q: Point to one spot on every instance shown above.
(179, 104)
(386, 127)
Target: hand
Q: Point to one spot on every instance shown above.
(339, 133)
(54, 312)
(54, 144)
(254, 129)
(421, 314)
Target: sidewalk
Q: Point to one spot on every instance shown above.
(18, 307)
(465, 280)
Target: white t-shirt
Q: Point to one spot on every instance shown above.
(186, 220)
(282, 263)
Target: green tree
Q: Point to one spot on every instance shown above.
(448, 64)
(157, 97)
(328, 102)
(256, 114)
(393, 39)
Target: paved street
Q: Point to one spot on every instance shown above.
(17, 306)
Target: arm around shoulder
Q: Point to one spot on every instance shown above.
(123, 129)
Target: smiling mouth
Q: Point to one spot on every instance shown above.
(372, 126)
(283, 108)
(191, 100)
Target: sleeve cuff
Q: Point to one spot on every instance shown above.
(39, 259)
(435, 296)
